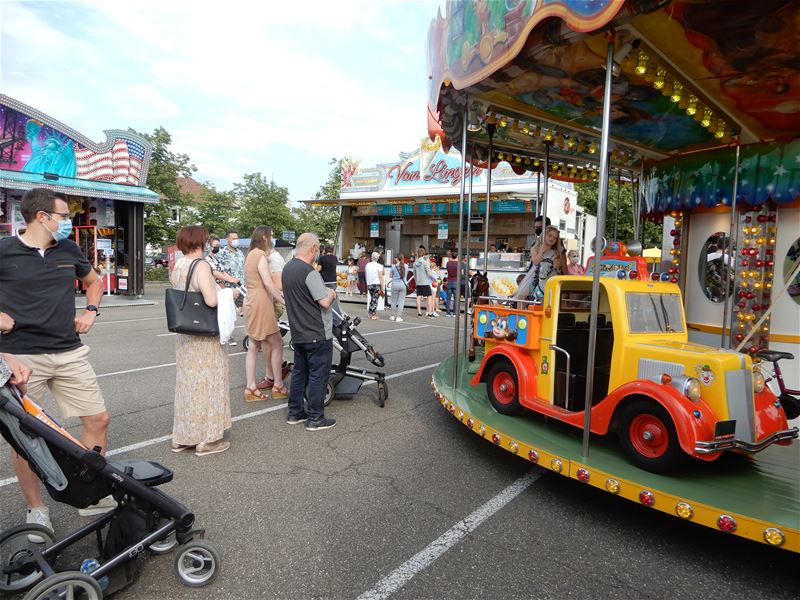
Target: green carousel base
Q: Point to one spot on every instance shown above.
(753, 496)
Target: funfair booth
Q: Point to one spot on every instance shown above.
(697, 104)
(104, 184)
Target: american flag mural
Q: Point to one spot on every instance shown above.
(121, 164)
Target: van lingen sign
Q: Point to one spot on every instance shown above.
(437, 172)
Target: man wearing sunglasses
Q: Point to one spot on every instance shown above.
(38, 269)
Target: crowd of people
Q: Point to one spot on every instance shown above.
(40, 345)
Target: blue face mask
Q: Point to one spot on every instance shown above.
(63, 231)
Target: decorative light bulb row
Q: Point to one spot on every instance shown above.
(560, 169)
(644, 65)
(673, 272)
(756, 269)
(566, 142)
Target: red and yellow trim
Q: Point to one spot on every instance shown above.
(702, 514)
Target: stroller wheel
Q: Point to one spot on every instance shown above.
(329, 393)
(69, 584)
(197, 563)
(164, 546)
(383, 393)
(246, 343)
(15, 545)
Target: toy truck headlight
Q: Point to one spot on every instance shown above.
(758, 381)
(691, 389)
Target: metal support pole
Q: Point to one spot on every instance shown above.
(616, 209)
(602, 202)
(460, 239)
(728, 270)
(546, 185)
(488, 204)
(467, 289)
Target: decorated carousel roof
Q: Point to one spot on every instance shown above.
(692, 77)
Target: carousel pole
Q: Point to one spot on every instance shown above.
(602, 202)
(460, 241)
(546, 185)
(727, 274)
(488, 206)
(467, 287)
(616, 209)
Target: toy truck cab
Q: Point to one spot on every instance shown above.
(666, 398)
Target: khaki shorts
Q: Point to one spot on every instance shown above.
(70, 378)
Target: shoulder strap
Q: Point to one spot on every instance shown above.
(189, 280)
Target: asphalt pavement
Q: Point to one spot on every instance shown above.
(399, 501)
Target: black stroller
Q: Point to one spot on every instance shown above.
(145, 519)
(345, 380)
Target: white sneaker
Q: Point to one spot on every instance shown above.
(101, 507)
(391, 318)
(39, 515)
(399, 319)
(435, 314)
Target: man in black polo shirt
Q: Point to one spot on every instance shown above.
(38, 269)
(308, 306)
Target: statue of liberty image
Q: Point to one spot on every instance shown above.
(51, 152)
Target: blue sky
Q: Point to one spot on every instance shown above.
(276, 87)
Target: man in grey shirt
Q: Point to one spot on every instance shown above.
(308, 306)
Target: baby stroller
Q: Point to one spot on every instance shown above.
(145, 517)
(345, 380)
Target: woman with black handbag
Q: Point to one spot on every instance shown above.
(202, 410)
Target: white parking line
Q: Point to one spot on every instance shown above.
(104, 322)
(249, 415)
(422, 559)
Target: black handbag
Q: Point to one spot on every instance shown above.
(188, 313)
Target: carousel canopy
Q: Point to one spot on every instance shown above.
(690, 77)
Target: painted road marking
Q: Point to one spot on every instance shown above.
(422, 559)
(250, 415)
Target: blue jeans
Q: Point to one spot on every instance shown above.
(310, 375)
(451, 295)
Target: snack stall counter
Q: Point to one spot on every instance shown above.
(503, 270)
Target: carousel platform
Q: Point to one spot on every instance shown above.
(752, 496)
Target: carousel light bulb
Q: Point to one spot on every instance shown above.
(536, 131)
(581, 146)
(720, 132)
(548, 136)
(535, 162)
(691, 109)
(518, 160)
(760, 241)
(527, 161)
(660, 80)
(503, 121)
(592, 148)
(525, 128)
(559, 141)
(641, 63)
(677, 89)
(570, 142)
(706, 122)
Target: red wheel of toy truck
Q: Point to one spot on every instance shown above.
(649, 438)
(503, 387)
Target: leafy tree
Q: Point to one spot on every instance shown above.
(324, 220)
(622, 216)
(217, 210)
(162, 177)
(262, 202)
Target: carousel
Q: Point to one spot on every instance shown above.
(656, 378)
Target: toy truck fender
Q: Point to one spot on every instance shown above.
(693, 421)
(523, 365)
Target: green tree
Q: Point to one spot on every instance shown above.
(622, 216)
(324, 220)
(262, 202)
(162, 177)
(217, 210)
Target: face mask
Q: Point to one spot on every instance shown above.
(63, 231)
(274, 241)
(215, 249)
(573, 260)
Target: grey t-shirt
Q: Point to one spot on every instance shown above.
(302, 288)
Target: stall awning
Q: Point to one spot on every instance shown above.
(19, 180)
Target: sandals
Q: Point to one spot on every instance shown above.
(265, 384)
(279, 392)
(253, 395)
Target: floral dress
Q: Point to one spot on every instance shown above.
(202, 410)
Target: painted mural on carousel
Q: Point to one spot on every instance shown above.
(766, 172)
(31, 144)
